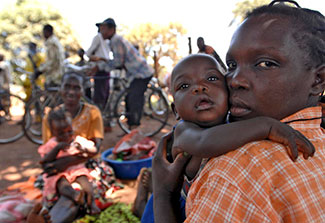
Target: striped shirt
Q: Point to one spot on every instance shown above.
(125, 55)
(259, 183)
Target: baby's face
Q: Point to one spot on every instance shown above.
(199, 91)
(62, 130)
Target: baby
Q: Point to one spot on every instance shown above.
(200, 94)
(64, 143)
(201, 97)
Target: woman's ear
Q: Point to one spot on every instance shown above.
(175, 111)
(319, 82)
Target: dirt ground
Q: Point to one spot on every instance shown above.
(19, 160)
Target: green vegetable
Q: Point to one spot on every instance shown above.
(116, 213)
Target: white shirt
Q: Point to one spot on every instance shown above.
(99, 47)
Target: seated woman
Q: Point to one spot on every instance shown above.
(86, 122)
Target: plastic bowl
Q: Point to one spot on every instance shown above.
(126, 169)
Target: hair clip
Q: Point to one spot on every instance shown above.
(283, 1)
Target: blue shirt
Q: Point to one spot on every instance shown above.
(125, 55)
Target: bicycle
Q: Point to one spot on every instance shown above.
(155, 110)
(12, 109)
(39, 102)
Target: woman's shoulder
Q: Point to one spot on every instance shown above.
(91, 107)
(90, 110)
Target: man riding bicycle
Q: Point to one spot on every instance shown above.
(137, 70)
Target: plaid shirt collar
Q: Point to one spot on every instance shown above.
(308, 118)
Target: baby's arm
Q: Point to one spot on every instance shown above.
(220, 139)
(51, 156)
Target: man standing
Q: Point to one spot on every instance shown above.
(53, 67)
(209, 50)
(99, 51)
(138, 71)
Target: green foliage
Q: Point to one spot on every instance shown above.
(117, 213)
(163, 40)
(23, 21)
(246, 6)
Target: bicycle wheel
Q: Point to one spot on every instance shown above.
(36, 108)
(154, 116)
(12, 109)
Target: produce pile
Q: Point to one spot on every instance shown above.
(117, 213)
(133, 146)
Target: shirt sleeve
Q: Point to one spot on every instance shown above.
(93, 47)
(46, 132)
(119, 53)
(220, 201)
(97, 126)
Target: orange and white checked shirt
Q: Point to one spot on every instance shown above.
(260, 183)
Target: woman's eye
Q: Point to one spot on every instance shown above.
(231, 65)
(266, 64)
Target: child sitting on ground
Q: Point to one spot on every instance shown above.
(200, 96)
(64, 143)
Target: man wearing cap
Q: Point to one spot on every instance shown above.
(137, 69)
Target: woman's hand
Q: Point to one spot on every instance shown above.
(54, 167)
(168, 177)
(60, 164)
(167, 182)
(284, 134)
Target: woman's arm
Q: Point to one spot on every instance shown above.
(167, 181)
(61, 164)
(51, 156)
(220, 139)
(98, 143)
(57, 165)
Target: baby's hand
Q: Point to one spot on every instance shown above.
(63, 145)
(284, 134)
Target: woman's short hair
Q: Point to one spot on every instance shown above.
(75, 76)
(308, 29)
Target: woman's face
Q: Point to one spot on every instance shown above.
(71, 91)
(267, 76)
